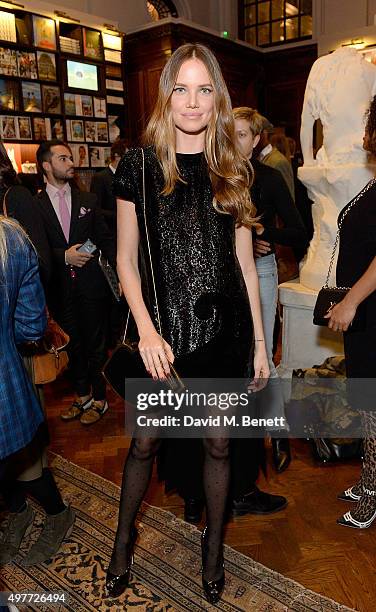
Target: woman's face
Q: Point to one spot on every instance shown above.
(192, 100)
(244, 137)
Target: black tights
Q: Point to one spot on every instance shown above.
(136, 477)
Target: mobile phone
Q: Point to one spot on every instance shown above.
(87, 247)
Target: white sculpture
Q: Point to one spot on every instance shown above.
(339, 90)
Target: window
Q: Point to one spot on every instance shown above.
(271, 22)
(160, 9)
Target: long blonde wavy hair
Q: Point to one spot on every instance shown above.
(230, 173)
(9, 224)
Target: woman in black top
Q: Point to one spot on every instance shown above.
(198, 215)
(356, 268)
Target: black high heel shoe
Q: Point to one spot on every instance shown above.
(213, 589)
(116, 584)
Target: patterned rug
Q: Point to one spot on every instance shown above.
(166, 575)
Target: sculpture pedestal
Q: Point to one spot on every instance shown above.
(303, 344)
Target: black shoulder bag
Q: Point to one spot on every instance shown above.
(126, 361)
(330, 296)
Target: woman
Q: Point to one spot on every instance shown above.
(273, 200)
(27, 470)
(356, 268)
(197, 192)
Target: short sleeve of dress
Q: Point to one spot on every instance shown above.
(126, 183)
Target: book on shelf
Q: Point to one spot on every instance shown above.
(46, 66)
(27, 65)
(24, 128)
(8, 62)
(92, 44)
(70, 45)
(24, 34)
(32, 98)
(51, 99)
(80, 154)
(8, 27)
(9, 127)
(42, 128)
(9, 95)
(44, 32)
(115, 85)
(112, 56)
(115, 100)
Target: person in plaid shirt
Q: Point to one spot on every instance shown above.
(23, 319)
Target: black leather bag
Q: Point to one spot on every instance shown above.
(326, 299)
(330, 296)
(126, 361)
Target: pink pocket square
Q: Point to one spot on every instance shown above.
(83, 212)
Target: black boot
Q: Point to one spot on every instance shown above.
(281, 454)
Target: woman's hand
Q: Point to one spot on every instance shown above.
(341, 315)
(261, 368)
(156, 354)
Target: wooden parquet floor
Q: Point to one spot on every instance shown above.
(302, 542)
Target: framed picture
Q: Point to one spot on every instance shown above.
(57, 129)
(77, 130)
(96, 157)
(102, 132)
(51, 99)
(99, 107)
(92, 44)
(87, 106)
(90, 131)
(80, 155)
(70, 104)
(8, 127)
(8, 62)
(32, 100)
(9, 95)
(46, 66)
(44, 32)
(39, 126)
(27, 65)
(113, 71)
(24, 128)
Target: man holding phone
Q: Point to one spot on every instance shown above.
(78, 293)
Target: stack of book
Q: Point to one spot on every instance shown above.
(69, 45)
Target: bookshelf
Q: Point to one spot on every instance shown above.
(59, 79)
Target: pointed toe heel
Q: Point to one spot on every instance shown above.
(213, 589)
(116, 584)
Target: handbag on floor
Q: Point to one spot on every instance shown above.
(126, 362)
(330, 296)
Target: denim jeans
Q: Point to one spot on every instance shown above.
(268, 280)
(271, 398)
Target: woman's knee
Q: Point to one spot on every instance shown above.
(217, 448)
(144, 448)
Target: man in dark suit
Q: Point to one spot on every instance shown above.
(101, 185)
(77, 293)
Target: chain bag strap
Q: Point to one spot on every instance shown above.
(329, 296)
(125, 361)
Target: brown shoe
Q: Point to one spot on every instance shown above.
(95, 413)
(76, 409)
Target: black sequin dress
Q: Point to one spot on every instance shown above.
(202, 297)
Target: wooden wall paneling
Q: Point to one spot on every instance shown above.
(286, 74)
